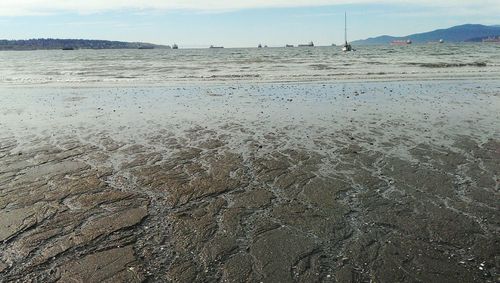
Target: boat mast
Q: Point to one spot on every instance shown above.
(345, 27)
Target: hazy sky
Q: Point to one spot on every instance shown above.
(199, 23)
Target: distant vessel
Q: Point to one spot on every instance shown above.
(436, 42)
(260, 46)
(289, 45)
(146, 47)
(492, 39)
(68, 48)
(216, 47)
(401, 42)
(175, 46)
(310, 44)
(347, 47)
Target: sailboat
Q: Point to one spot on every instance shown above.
(347, 47)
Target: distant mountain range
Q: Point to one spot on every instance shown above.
(50, 43)
(463, 33)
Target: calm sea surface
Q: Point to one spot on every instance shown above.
(431, 61)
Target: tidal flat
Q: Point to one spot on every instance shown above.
(251, 182)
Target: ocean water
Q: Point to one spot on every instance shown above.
(413, 62)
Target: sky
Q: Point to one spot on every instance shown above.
(236, 23)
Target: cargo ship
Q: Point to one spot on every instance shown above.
(310, 44)
(435, 42)
(401, 42)
(492, 39)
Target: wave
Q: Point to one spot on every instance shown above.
(321, 67)
(448, 65)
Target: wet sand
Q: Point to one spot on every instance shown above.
(333, 182)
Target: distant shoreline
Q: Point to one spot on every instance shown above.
(73, 44)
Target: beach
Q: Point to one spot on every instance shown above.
(312, 181)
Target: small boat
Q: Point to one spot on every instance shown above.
(310, 44)
(175, 46)
(289, 45)
(346, 47)
(260, 46)
(216, 47)
(401, 42)
(68, 48)
(441, 41)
